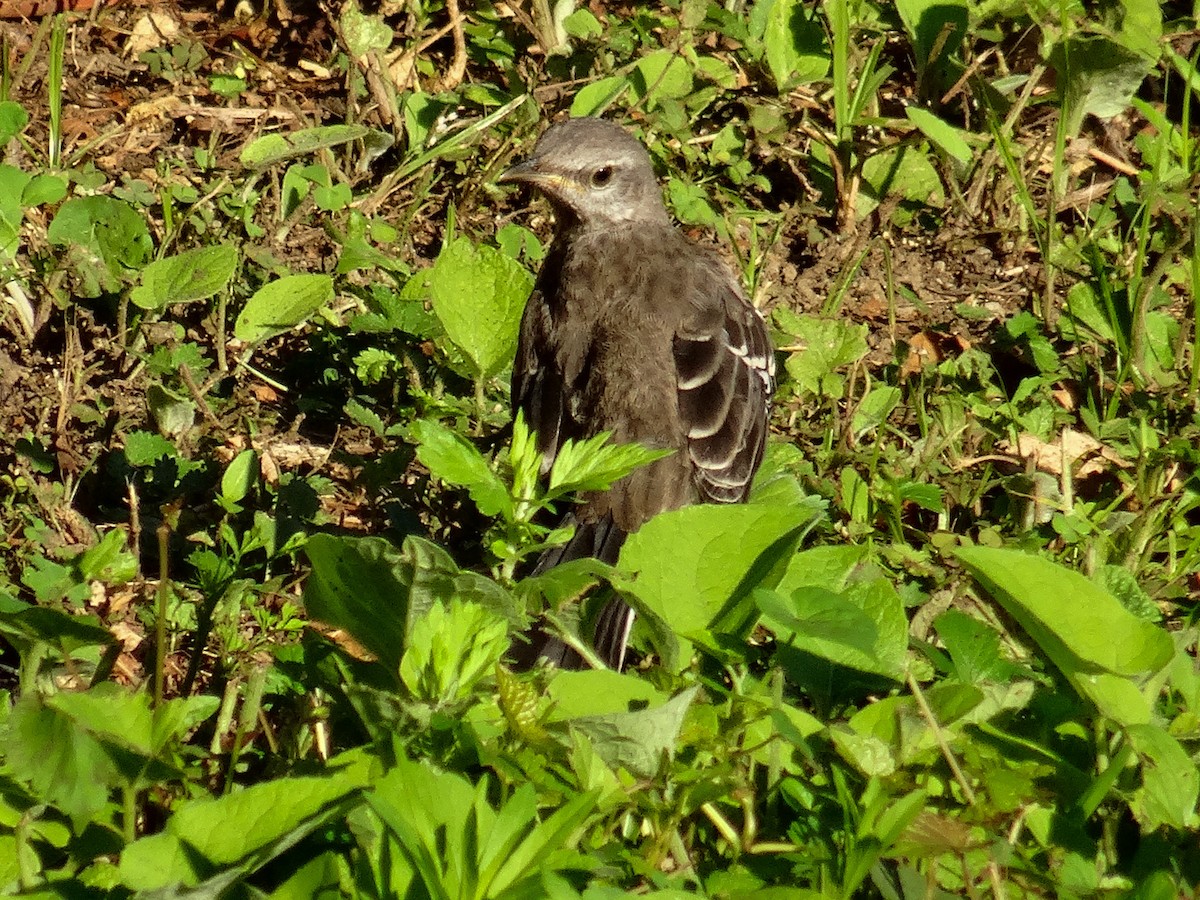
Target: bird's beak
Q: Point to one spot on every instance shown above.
(530, 171)
(525, 170)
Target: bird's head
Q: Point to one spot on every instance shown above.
(594, 172)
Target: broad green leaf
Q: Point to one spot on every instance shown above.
(281, 305)
(866, 752)
(376, 591)
(363, 33)
(593, 99)
(452, 458)
(478, 294)
(925, 21)
(902, 170)
(1068, 613)
(830, 567)
(173, 413)
(123, 718)
(974, 648)
(106, 239)
(192, 275)
(273, 148)
(582, 23)
(821, 347)
(24, 624)
(61, 761)
(638, 740)
(1170, 783)
(43, 189)
(795, 45)
(13, 183)
(249, 826)
(240, 476)
(598, 692)
(947, 138)
(108, 560)
(862, 627)
(1099, 76)
(13, 120)
(143, 448)
(875, 408)
(661, 75)
(1098, 645)
(695, 567)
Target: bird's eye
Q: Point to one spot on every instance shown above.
(602, 176)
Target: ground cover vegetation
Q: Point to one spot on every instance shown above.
(266, 522)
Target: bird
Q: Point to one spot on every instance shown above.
(634, 329)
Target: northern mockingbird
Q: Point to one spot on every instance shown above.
(634, 329)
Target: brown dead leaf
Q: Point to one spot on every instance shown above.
(922, 352)
(153, 30)
(264, 393)
(1071, 445)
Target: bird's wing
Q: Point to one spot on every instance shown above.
(537, 388)
(726, 375)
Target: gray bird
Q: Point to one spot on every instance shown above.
(632, 328)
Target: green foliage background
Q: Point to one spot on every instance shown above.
(948, 647)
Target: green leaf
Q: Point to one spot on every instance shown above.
(281, 305)
(106, 240)
(26, 624)
(173, 413)
(144, 448)
(450, 649)
(795, 45)
(823, 347)
(452, 458)
(240, 476)
(902, 170)
(593, 464)
(638, 740)
(13, 183)
(43, 189)
(924, 20)
(1098, 645)
(64, 765)
(108, 560)
(974, 648)
(1099, 76)
(875, 408)
(363, 33)
(685, 569)
(13, 120)
(947, 138)
(376, 592)
(193, 275)
(661, 75)
(593, 99)
(478, 294)
(1170, 783)
(273, 148)
(863, 627)
(595, 692)
(247, 827)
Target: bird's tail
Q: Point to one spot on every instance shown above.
(600, 540)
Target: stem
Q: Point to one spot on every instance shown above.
(160, 622)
